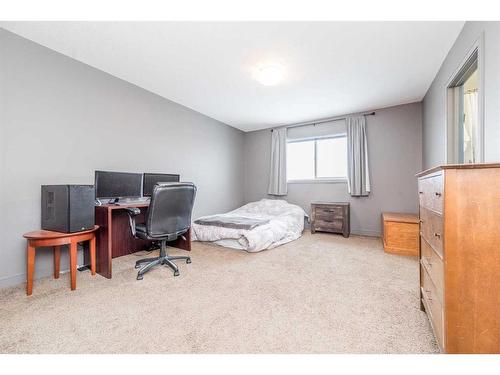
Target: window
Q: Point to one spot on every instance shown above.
(322, 159)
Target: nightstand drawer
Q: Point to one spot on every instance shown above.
(328, 225)
(334, 212)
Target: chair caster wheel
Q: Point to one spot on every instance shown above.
(140, 277)
(188, 260)
(176, 273)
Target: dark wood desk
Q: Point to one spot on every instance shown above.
(114, 238)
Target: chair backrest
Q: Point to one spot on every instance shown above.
(170, 209)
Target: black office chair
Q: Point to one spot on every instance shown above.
(168, 217)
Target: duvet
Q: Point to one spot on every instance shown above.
(285, 223)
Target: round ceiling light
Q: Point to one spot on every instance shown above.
(269, 75)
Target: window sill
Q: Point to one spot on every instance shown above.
(319, 181)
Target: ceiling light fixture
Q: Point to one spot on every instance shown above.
(269, 75)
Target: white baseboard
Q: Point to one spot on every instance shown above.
(359, 232)
(364, 232)
(20, 278)
(12, 280)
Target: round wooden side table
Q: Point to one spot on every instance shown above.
(47, 238)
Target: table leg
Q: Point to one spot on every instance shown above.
(57, 261)
(72, 263)
(31, 269)
(92, 255)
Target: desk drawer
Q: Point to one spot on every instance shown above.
(430, 191)
(431, 228)
(433, 306)
(434, 266)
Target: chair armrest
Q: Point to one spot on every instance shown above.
(132, 213)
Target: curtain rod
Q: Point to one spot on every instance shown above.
(321, 121)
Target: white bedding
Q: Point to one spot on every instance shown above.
(286, 223)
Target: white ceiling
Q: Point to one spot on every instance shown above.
(332, 68)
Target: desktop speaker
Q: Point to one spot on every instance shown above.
(68, 208)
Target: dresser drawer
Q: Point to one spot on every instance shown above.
(431, 228)
(430, 192)
(433, 306)
(434, 266)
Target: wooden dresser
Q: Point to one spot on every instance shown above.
(460, 255)
(330, 217)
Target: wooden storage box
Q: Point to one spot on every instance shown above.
(401, 233)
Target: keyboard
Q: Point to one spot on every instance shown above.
(132, 202)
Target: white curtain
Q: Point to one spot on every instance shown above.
(358, 173)
(277, 177)
(470, 126)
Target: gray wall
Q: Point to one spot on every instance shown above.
(394, 147)
(434, 126)
(61, 120)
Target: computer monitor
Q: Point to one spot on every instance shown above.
(115, 185)
(151, 179)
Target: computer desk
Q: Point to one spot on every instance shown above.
(115, 239)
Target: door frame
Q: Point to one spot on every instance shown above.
(450, 139)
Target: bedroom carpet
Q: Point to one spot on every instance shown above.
(320, 294)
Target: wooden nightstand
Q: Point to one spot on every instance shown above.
(330, 217)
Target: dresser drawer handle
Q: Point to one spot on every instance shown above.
(421, 192)
(428, 295)
(437, 235)
(421, 221)
(437, 194)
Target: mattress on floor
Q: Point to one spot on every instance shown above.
(285, 223)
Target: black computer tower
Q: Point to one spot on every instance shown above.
(68, 208)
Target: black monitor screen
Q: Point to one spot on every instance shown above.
(151, 179)
(117, 184)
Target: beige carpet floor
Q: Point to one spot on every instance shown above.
(320, 294)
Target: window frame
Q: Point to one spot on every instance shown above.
(317, 180)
